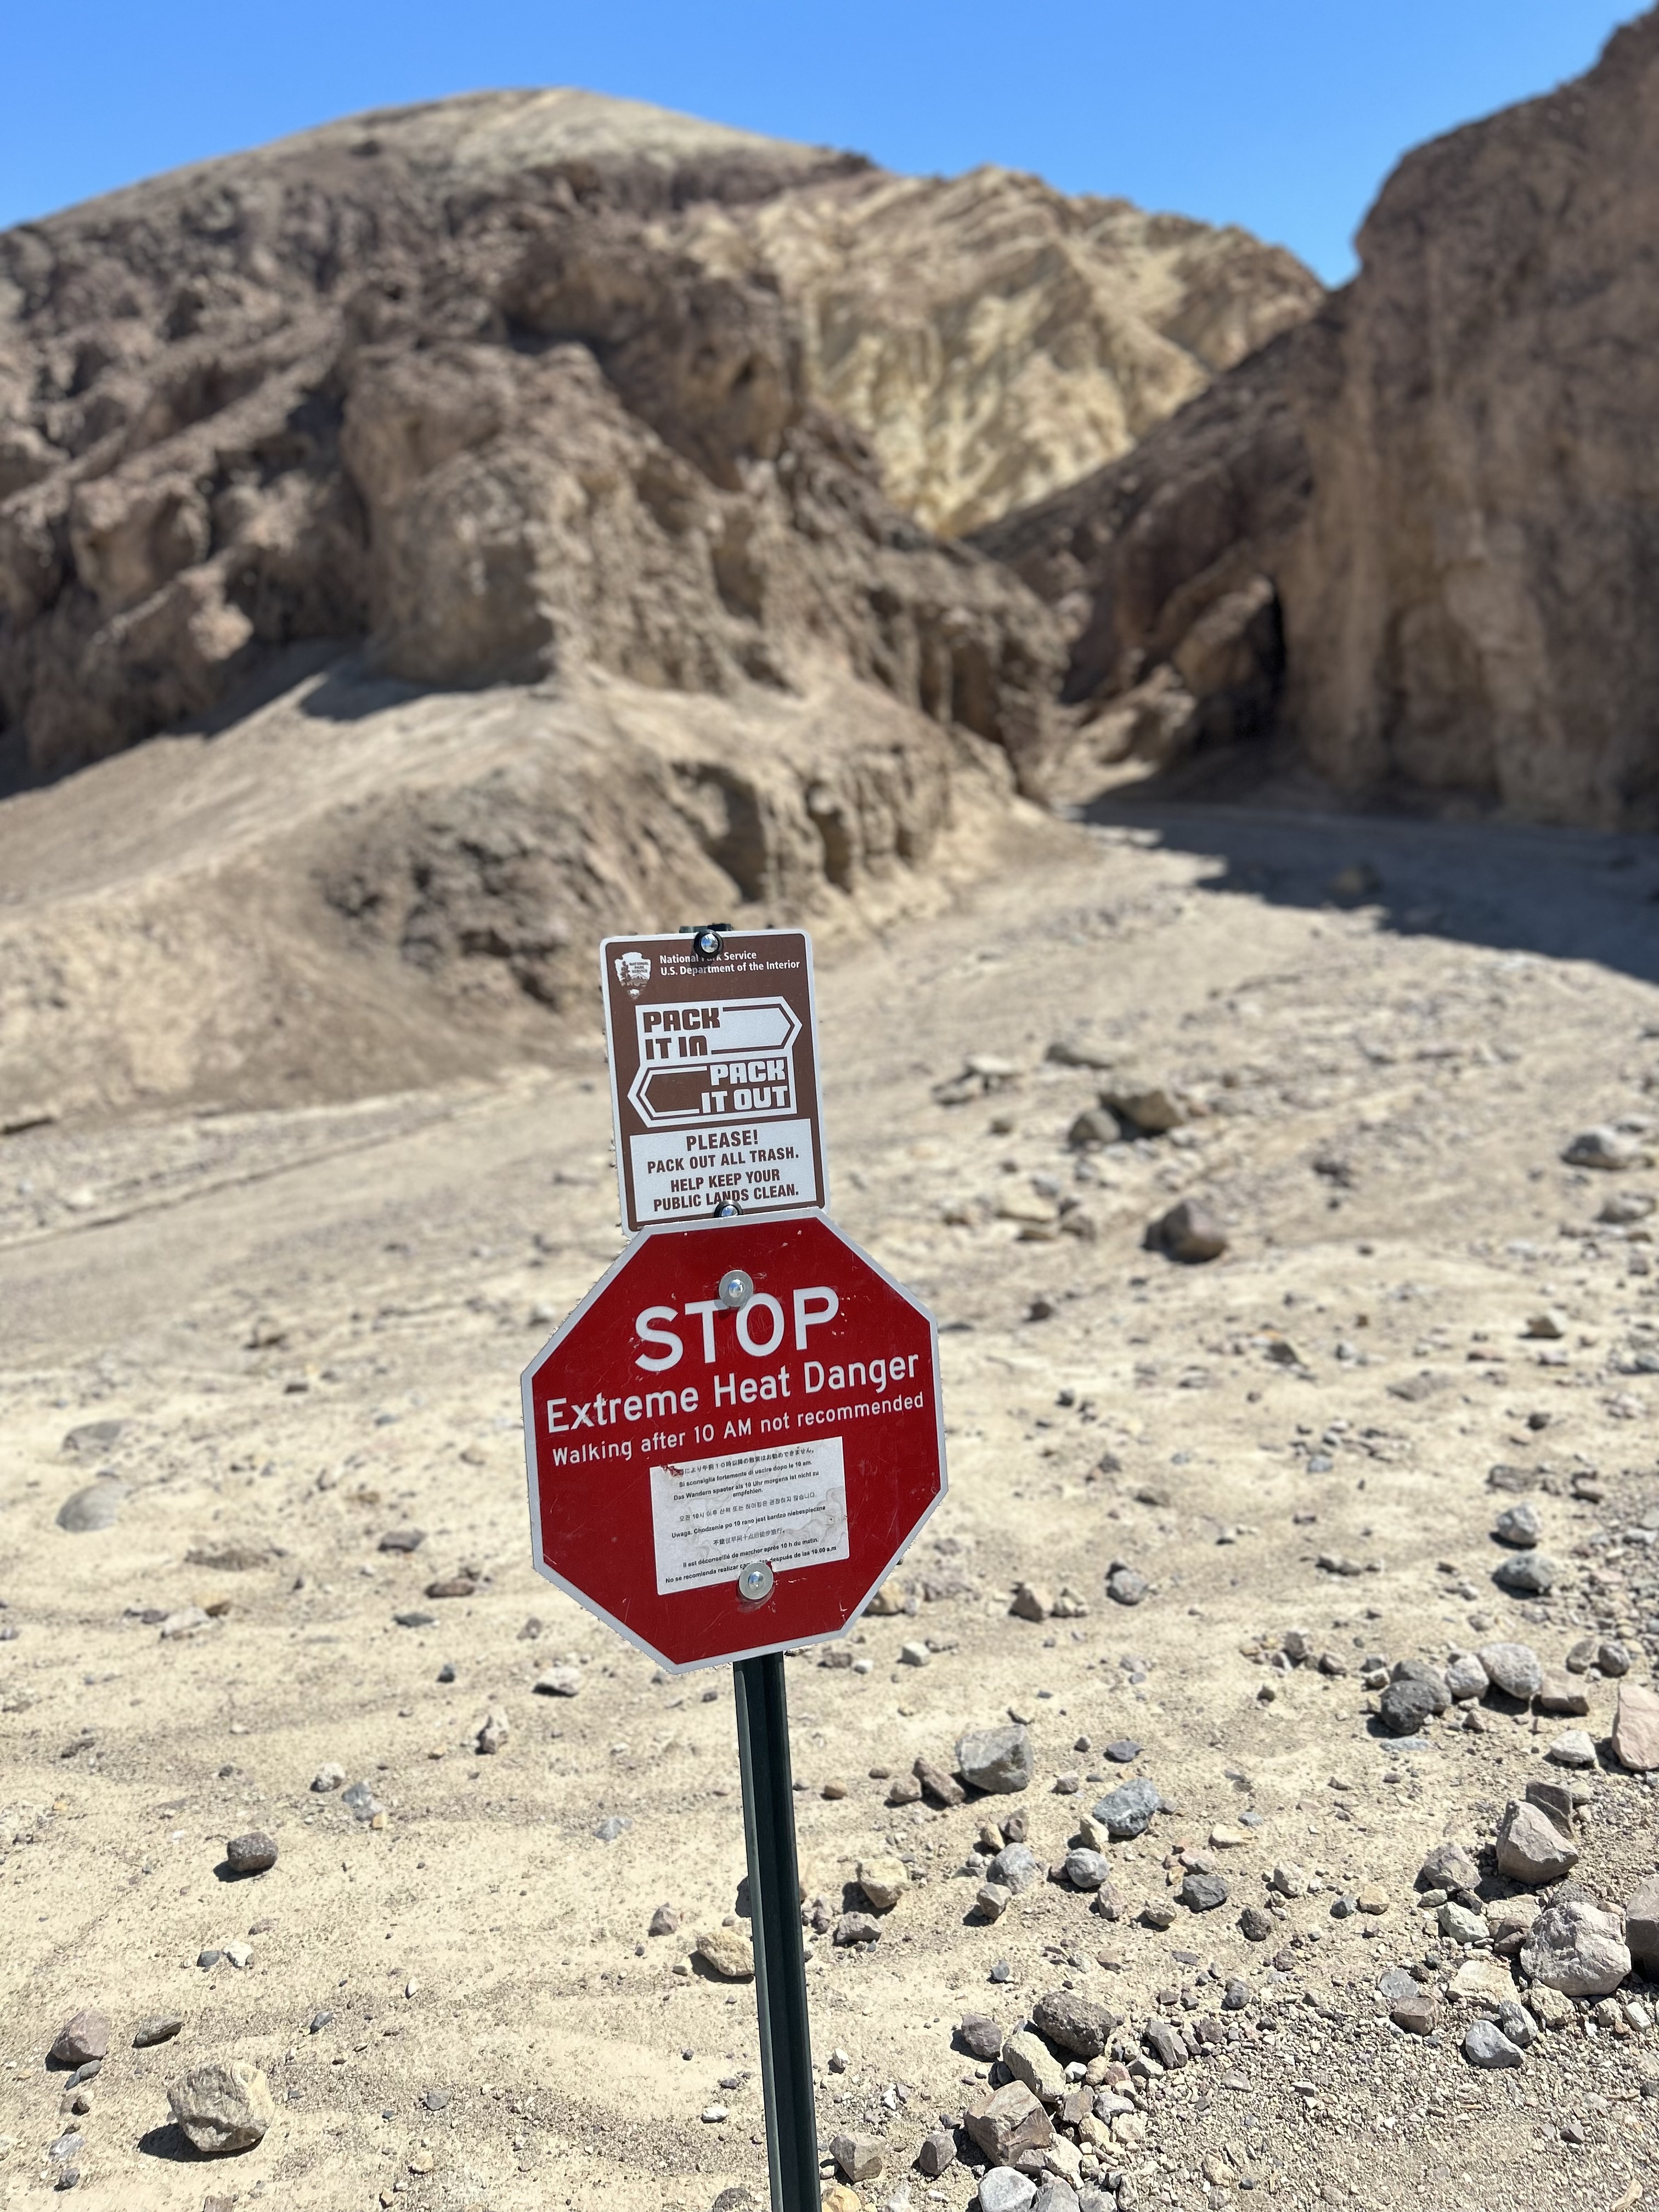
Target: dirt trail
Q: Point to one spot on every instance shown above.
(310, 1325)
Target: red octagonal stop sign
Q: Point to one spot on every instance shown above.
(717, 1480)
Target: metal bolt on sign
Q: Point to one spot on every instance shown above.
(724, 1479)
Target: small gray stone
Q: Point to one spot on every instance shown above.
(1486, 2045)
(1255, 1925)
(1642, 1924)
(1427, 1678)
(1126, 1585)
(614, 1826)
(1447, 1866)
(1004, 2189)
(1073, 2023)
(559, 1682)
(982, 2036)
(1603, 1147)
(996, 1759)
(97, 1506)
(1236, 1995)
(160, 2028)
(665, 1921)
(253, 1853)
(1054, 2195)
(1514, 1668)
(1404, 1707)
(1462, 1925)
(1124, 1752)
(1519, 1524)
(1531, 1574)
(1572, 1747)
(1030, 2060)
(318, 2021)
(1396, 1985)
(1202, 1893)
(1518, 2024)
(853, 1929)
(362, 1800)
(1016, 1869)
(1613, 1658)
(1466, 1677)
(935, 2153)
(1087, 1869)
(1127, 1810)
(328, 1777)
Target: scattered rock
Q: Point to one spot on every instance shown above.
(1519, 1524)
(1073, 2023)
(1466, 1677)
(364, 1803)
(1255, 1925)
(1404, 1707)
(1003, 2189)
(1030, 2060)
(1460, 1924)
(1573, 1747)
(1418, 2013)
(1563, 1695)
(1126, 1585)
(887, 1601)
(1087, 1869)
(614, 1825)
(1514, 1668)
(665, 1921)
(253, 1853)
(1189, 1232)
(853, 1929)
(1095, 1126)
(1548, 1327)
(883, 1881)
(1642, 1924)
(82, 2039)
(1127, 1811)
(981, 2036)
(1031, 1603)
(189, 1620)
(97, 1506)
(1533, 1846)
(559, 1682)
(160, 2028)
(1578, 1950)
(991, 1901)
(998, 1760)
(493, 1732)
(1447, 1866)
(92, 1437)
(402, 1539)
(1202, 1893)
(935, 2152)
(327, 1778)
(915, 1654)
(1124, 1752)
(1007, 2121)
(1636, 1729)
(1605, 1148)
(727, 1952)
(1485, 2044)
(943, 1789)
(1016, 1869)
(1530, 1574)
(462, 1585)
(859, 2157)
(224, 2106)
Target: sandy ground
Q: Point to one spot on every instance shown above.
(310, 1326)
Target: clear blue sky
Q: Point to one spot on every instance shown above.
(1285, 115)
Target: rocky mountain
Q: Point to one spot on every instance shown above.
(1417, 533)
(993, 339)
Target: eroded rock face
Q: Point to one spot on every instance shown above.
(1438, 486)
(993, 339)
(458, 384)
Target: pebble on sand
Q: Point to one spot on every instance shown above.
(252, 1853)
(82, 2038)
